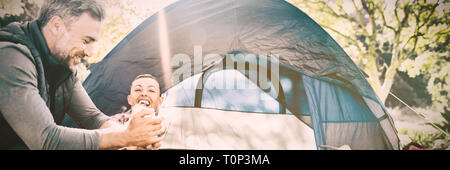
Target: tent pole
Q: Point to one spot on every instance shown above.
(420, 114)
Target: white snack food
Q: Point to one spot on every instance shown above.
(138, 108)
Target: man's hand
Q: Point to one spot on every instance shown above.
(164, 129)
(154, 146)
(144, 129)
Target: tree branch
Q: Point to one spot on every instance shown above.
(332, 12)
(370, 12)
(429, 15)
(381, 11)
(406, 11)
(361, 21)
(396, 12)
(418, 27)
(397, 51)
(346, 37)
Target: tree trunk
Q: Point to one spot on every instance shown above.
(372, 71)
(387, 84)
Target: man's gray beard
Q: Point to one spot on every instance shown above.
(67, 60)
(63, 58)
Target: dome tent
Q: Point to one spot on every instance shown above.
(321, 97)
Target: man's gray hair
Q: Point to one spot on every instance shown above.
(69, 10)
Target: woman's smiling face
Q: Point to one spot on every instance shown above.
(145, 90)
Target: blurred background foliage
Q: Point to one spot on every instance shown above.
(403, 45)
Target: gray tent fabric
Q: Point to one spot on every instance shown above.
(219, 27)
(342, 118)
(319, 83)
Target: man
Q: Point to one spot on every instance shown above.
(39, 84)
(145, 92)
